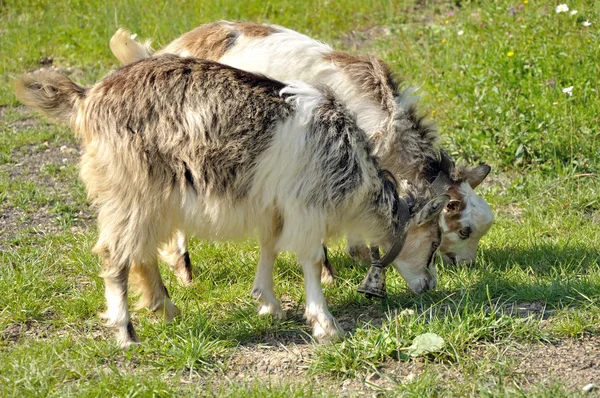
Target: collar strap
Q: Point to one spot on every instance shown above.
(398, 240)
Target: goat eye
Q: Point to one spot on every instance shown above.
(435, 245)
(464, 233)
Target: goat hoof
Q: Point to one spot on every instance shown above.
(277, 313)
(168, 310)
(326, 330)
(126, 345)
(327, 335)
(171, 311)
(126, 337)
(326, 277)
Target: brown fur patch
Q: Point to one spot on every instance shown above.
(453, 220)
(454, 192)
(372, 74)
(211, 41)
(251, 29)
(208, 41)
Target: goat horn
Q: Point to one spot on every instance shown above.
(446, 162)
(443, 180)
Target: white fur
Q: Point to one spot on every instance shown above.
(478, 216)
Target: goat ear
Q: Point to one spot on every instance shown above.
(453, 206)
(432, 209)
(476, 175)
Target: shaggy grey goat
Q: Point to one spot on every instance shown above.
(406, 145)
(217, 152)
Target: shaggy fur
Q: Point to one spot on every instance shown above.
(179, 143)
(405, 143)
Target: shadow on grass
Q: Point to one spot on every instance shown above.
(544, 259)
(510, 281)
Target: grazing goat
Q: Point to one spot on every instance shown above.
(218, 152)
(405, 145)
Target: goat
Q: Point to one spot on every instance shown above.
(217, 152)
(406, 145)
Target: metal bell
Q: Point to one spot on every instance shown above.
(374, 283)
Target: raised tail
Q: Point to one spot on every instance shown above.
(305, 97)
(127, 50)
(54, 94)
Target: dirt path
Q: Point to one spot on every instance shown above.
(29, 172)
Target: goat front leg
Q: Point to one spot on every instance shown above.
(175, 254)
(325, 327)
(262, 290)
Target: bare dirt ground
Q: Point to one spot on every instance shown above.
(27, 165)
(574, 363)
(286, 359)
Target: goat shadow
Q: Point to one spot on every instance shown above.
(513, 281)
(516, 281)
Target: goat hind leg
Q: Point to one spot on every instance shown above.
(175, 254)
(117, 312)
(146, 278)
(357, 248)
(328, 274)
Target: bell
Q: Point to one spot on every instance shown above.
(374, 283)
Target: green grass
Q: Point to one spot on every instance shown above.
(509, 111)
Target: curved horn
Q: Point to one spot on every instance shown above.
(446, 162)
(443, 180)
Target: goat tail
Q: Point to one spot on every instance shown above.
(305, 97)
(52, 93)
(126, 49)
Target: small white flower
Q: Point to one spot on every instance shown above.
(562, 8)
(568, 90)
(460, 32)
(586, 23)
(573, 12)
